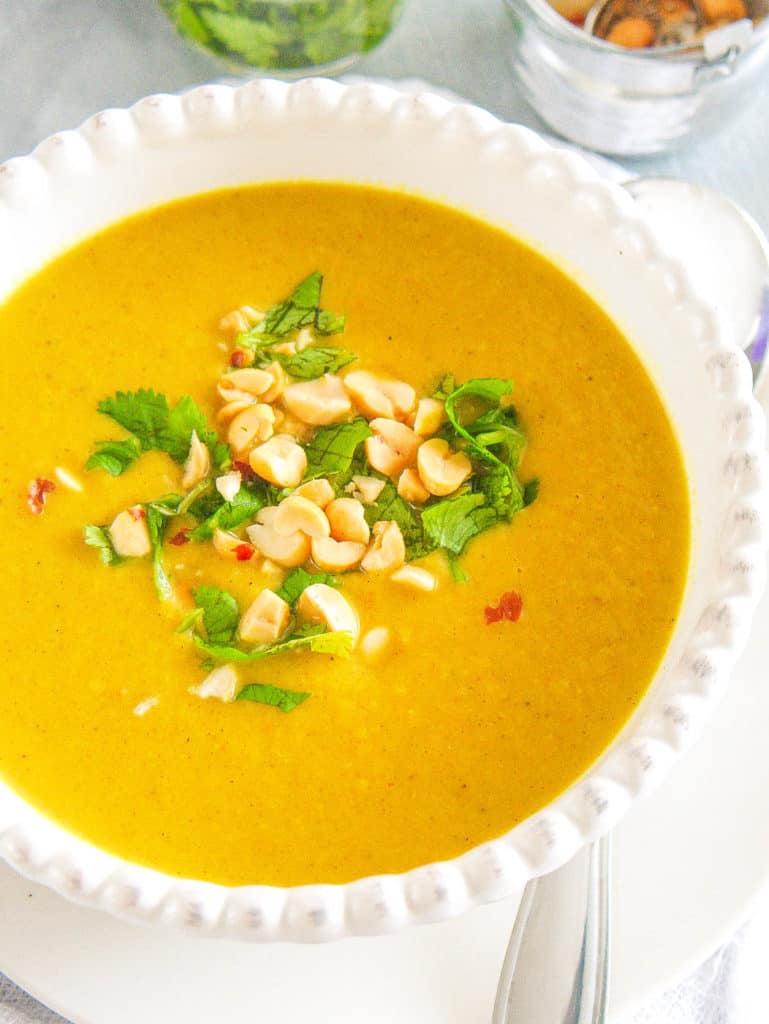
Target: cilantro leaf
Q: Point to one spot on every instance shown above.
(298, 580)
(229, 514)
(159, 427)
(311, 637)
(332, 449)
(276, 696)
(300, 309)
(445, 386)
(502, 491)
(158, 516)
(314, 361)
(220, 613)
(389, 506)
(98, 537)
(490, 389)
(113, 456)
(451, 523)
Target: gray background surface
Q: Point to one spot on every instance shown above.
(62, 60)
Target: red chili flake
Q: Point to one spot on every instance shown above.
(246, 473)
(239, 358)
(38, 490)
(244, 552)
(509, 607)
(137, 512)
(182, 537)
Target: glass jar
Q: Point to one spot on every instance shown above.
(628, 102)
(287, 38)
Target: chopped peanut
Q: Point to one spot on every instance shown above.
(318, 402)
(234, 323)
(222, 684)
(230, 395)
(281, 461)
(430, 415)
(298, 513)
(374, 642)
(336, 556)
(369, 488)
(229, 545)
(231, 409)
(442, 470)
(198, 464)
(249, 380)
(265, 619)
(286, 551)
(378, 396)
(253, 424)
(321, 603)
(129, 534)
(318, 491)
(304, 339)
(414, 576)
(393, 446)
(348, 520)
(276, 388)
(411, 488)
(387, 550)
(228, 484)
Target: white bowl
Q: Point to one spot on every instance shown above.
(164, 147)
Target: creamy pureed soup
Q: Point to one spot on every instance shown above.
(136, 706)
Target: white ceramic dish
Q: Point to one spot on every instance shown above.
(165, 147)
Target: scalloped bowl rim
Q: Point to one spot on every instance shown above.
(419, 143)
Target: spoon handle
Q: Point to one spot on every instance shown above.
(556, 968)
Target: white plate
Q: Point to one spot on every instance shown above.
(689, 862)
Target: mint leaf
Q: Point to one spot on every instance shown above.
(243, 508)
(263, 693)
(453, 522)
(489, 389)
(220, 613)
(113, 456)
(158, 427)
(332, 449)
(298, 580)
(389, 506)
(314, 361)
(98, 537)
(300, 309)
(313, 638)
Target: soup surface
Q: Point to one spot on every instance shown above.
(458, 728)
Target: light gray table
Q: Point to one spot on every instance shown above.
(62, 61)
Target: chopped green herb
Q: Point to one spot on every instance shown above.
(191, 621)
(220, 613)
(458, 574)
(312, 638)
(298, 580)
(490, 389)
(157, 522)
(113, 456)
(530, 491)
(445, 386)
(502, 491)
(333, 448)
(452, 522)
(263, 693)
(229, 514)
(314, 361)
(98, 537)
(390, 506)
(300, 309)
(160, 427)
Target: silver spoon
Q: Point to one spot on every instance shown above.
(556, 969)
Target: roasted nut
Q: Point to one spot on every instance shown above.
(265, 619)
(387, 550)
(348, 520)
(379, 396)
(411, 488)
(280, 460)
(336, 556)
(430, 415)
(318, 402)
(228, 484)
(298, 513)
(230, 546)
(374, 643)
(222, 684)
(304, 339)
(198, 464)
(129, 534)
(369, 488)
(320, 492)
(416, 577)
(231, 409)
(286, 551)
(441, 469)
(321, 603)
(253, 424)
(392, 448)
(249, 381)
(278, 377)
